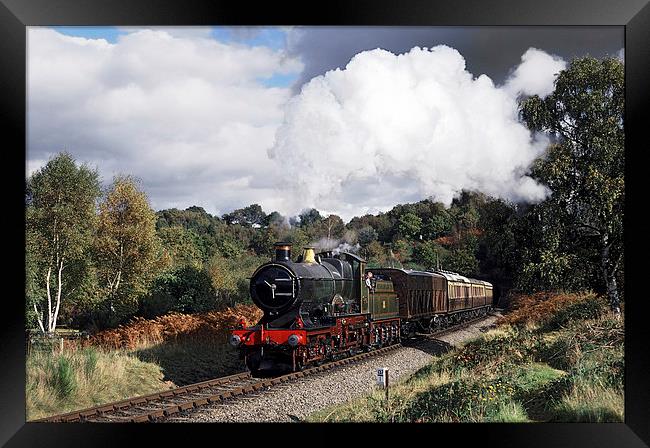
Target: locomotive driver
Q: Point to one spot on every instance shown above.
(369, 281)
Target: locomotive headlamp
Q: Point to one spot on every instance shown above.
(293, 340)
(235, 340)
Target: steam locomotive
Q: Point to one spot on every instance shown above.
(319, 308)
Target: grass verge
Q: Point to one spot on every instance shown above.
(556, 359)
(139, 358)
(59, 382)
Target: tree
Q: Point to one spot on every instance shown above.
(429, 254)
(409, 225)
(436, 226)
(366, 236)
(223, 278)
(309, 217)
(60, 215)
(186, 289)
(584, 169)
(127, 248)
(461, 260)
(181, 246)
(333, 226)
(275, 219)
(247, 217)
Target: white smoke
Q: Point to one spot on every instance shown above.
(345, 247)
(325, 243)
(395, 128)
(335, 245)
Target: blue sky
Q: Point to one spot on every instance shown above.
(110, 33)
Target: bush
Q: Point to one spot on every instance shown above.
(63, 380)
(591, 307)
(184, 290)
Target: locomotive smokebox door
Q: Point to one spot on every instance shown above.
(382, 377)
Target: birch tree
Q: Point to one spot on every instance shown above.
(60, 217)
(584, 169)
(127, 249)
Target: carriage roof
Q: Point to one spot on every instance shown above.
(448, 275)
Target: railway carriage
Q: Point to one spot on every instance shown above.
(432, 300)
(318, 307)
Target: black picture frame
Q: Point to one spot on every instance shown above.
(16, 15)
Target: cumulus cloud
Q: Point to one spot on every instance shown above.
(189, 116)
(390, 128)
(193, 119)
(536, 74)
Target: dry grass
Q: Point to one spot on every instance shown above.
(59, 382)
(141, 357)
(175, 327)
(555, 357)
(588, 402)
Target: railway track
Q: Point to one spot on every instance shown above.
(160, 405)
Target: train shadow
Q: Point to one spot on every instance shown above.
(429, 345)
(190, 362)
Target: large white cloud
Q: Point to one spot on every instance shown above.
(188, 115)
(191, 118)
(394, 127)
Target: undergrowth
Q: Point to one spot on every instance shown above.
(554, 358)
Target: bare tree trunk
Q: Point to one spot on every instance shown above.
(58, 297)
(609, 275)
(39, 317)
(49, 298)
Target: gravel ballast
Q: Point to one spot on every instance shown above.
(294, 401)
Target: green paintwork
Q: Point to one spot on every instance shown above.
(383, 301)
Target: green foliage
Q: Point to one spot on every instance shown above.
(307, 218)
(248, 216)
(437, 225)
(409, 226)
(230, 248)
(127, 250)
(366, 235)
(430, 254)
(592, 308)
(63, 380)
(182, 246)
(91, 361)
(461, 260)
(584, 170)
(186, 289)
(60, 217)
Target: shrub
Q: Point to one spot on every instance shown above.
(91, 361)
(541, 308)
(590, 307)
(63, 380)
(175, 327)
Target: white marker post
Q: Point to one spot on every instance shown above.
(382, 380)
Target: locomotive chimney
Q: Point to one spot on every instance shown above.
(282, 251)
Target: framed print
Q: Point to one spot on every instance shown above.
(214, 193)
